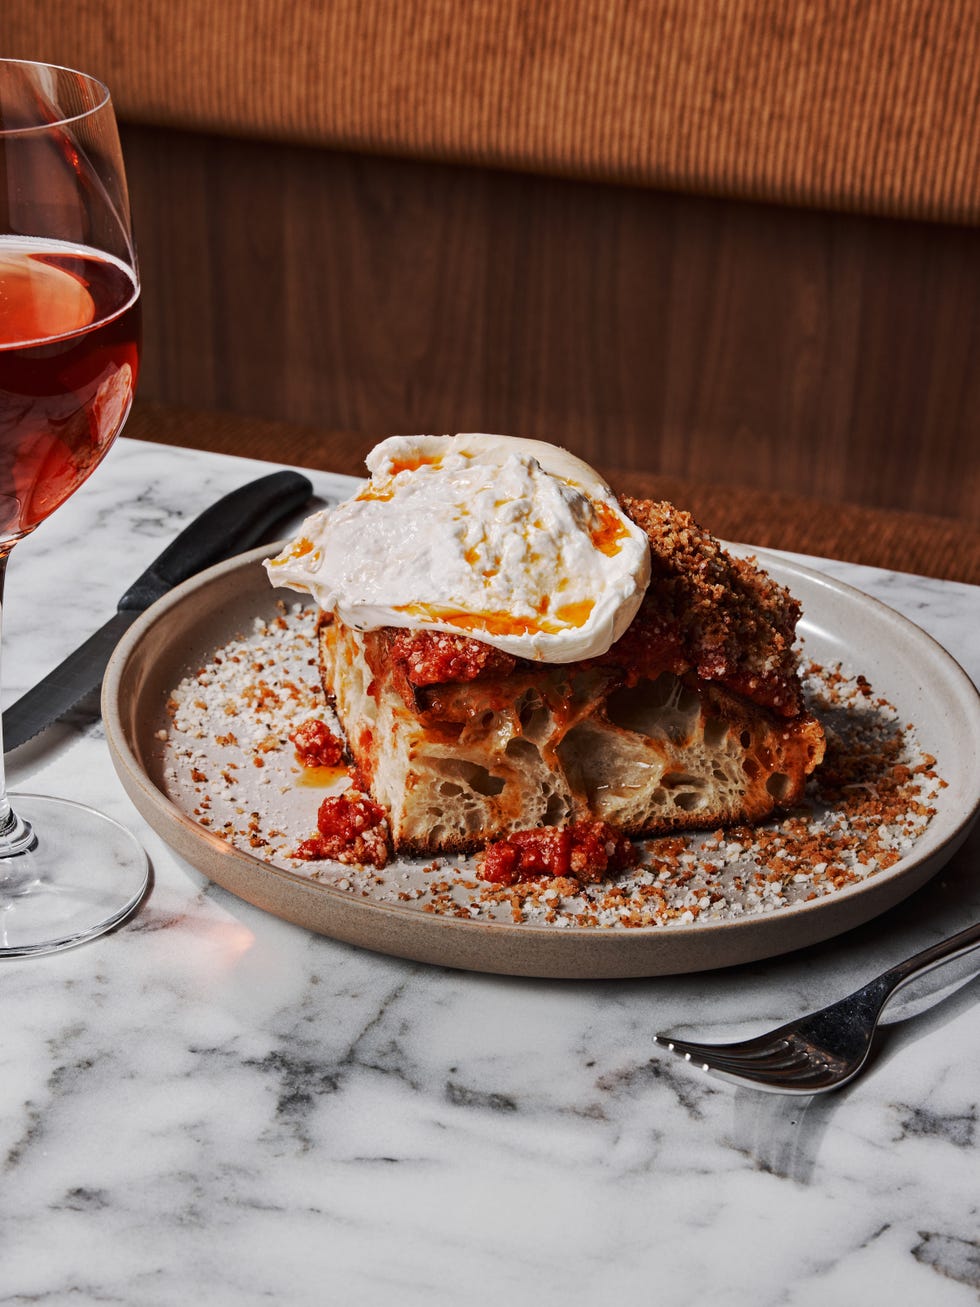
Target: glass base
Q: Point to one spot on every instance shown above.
(80, 874)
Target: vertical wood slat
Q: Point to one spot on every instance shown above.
(786, 349)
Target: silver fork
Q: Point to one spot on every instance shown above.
(826, 1049)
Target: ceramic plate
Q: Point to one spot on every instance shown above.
(180, 633)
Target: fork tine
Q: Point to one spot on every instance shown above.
(711, 1058)
(791, 1070)
(783, 1062)
(689, 1052)
(804, 1078)
(808, 1080)
(760, 1051)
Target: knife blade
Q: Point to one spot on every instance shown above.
(238, 520)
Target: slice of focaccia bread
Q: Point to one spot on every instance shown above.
(694, 718)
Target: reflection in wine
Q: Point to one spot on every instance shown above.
(69, 351)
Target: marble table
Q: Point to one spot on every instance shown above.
(213, 1106)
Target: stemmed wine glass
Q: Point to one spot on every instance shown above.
(69, 355)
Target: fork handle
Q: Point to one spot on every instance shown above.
(965, 941)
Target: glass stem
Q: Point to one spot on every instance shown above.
(16, 836)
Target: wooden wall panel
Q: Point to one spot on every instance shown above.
(746, 344)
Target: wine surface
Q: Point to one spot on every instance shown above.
(69, 356)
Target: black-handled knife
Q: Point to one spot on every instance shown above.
(239, 520)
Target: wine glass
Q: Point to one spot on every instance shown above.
(69, 355)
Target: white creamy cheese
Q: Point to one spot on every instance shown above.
(516, 543)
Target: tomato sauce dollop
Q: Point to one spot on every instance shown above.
(438, 658)
(351, 828)
(316, 745)
(586, 851)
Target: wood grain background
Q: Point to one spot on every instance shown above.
(753, 345)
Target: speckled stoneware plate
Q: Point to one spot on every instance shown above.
(180, 633)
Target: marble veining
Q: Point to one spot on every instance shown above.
(213, 1106)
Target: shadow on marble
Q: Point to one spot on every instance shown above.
(781, 1135)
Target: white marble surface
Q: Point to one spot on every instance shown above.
(212, 1106)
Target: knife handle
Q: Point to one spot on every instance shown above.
(238, 521)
